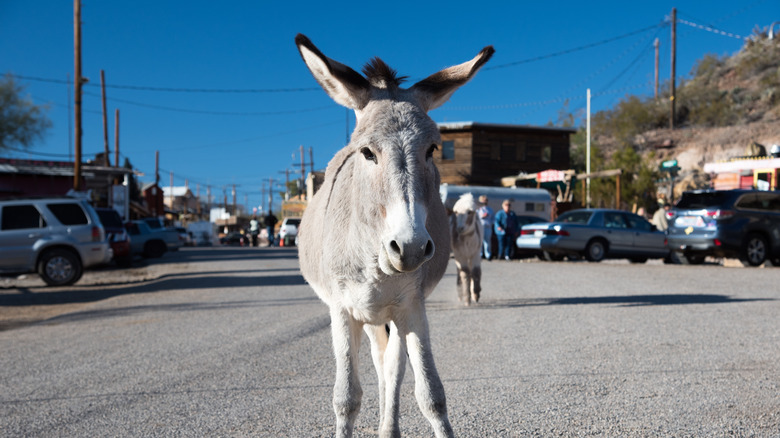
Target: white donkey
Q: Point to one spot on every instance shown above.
(374, 241)
(467, 234)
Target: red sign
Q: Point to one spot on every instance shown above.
(550, 176)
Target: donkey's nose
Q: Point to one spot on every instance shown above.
(410, 255)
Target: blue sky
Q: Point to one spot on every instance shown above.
(218, 88)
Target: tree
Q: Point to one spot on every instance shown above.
(21, 121)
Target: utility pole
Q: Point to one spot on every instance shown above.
(233, 192)
(303, 176)
(587, 151)
(106, 159)
(77, 92)
(270, 194)
(286, 184)
(674, 63)
(171, 194)
(656, 44)
(116, 138)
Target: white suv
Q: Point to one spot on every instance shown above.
(288, 231)
(55, 237)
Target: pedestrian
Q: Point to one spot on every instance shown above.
(270, 223)
(254, 230)
(505, 227)
(485, 214)
(659, 217)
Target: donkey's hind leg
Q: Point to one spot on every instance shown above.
(390, 363)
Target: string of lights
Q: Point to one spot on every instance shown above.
(710, 29)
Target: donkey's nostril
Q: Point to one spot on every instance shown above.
(429, 249)
(394, 246)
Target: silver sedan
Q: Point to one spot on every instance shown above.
(595, 234)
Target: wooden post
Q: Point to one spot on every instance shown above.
(106, 160)
(617, 191)
(656, 44)
(116, 138)
(77, 92)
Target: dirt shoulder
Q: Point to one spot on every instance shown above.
(26, 300)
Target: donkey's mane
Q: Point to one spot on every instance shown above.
(381, 75)
(464, 204)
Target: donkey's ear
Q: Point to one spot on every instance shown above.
(344, 85)
(434, 90)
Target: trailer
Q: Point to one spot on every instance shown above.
(525, 202)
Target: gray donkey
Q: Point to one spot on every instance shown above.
(374, 241)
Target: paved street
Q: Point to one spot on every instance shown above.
(232, 342)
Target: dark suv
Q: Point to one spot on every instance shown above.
(726, 223)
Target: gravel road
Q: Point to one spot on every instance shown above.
(232, 342)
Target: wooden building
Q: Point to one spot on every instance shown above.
(482, 153)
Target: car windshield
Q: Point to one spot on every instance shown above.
(693, 201)
(295, 222)
(575, 217)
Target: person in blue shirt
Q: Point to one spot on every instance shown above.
(506, 229)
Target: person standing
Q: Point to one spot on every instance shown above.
(485, 214)
(254, 230)
(659, 217)
(270, 223)
(505, 227)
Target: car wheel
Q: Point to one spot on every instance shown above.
(154, 249)
(59, 267)
(124, 262)
(689, 259)
(638, 260)
(596, 250)
(552, 257)
(754, 251)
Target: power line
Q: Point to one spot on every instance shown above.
(575, 49)
(217, 113)
(176, 90)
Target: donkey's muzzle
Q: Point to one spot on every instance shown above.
(407, 257)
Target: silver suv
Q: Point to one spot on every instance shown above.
(56, 237)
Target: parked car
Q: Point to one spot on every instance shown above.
(524, 252)
(56, 237)
(116, 235)
(288, 231)
(595, 234)
(744, 224)
(151, 244)
(233, 238)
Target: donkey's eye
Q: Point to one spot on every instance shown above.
(429, 153)
(368, 154)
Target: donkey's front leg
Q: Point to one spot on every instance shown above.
(390, 362)
(427, 385)
(476, 282)
(346, 391)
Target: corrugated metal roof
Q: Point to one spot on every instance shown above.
(461, 126)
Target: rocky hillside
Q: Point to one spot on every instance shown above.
(729, 103)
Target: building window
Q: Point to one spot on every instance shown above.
(495, 152)
(520, 152)
(448, 150)
(546, 154)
